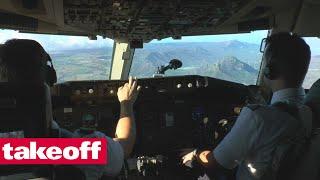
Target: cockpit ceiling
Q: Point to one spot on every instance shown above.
(144, 20)
(149, 19)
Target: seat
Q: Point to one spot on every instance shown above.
(309, 165)
(23, 114)
(313, 101)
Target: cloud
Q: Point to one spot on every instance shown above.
(58, 42)
(314, 43)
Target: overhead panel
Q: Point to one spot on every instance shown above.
(148, 19)
(138, 21)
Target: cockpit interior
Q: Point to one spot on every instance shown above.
(198, 64)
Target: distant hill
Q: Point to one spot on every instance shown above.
(206, 52)
(232, 69)
(229, 60)
(84, 64)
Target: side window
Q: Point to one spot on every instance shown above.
(74, 58)
(314, 67)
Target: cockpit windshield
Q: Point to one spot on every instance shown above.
(232, 57)
(74, 57)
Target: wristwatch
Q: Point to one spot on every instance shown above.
(194, 154)
(195, 162)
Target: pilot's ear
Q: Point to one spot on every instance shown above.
(48, 103)
(47, 91)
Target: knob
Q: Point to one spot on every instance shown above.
(90, 91)
(77, 92)
(190, 85)
(179, 86)
(205, 120)
(111, 91)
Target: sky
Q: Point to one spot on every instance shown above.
(60, 42)
(57, 42)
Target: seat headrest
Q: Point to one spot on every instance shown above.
(23, 110)
(23, 114)
(312, 100)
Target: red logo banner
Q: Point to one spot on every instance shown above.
(53, 151)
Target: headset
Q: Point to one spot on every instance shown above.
(274, 65)
(50, 72)
(271, 71)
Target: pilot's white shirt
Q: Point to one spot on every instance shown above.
(114, 150)
(256, 133)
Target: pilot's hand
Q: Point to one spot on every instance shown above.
(188, 158)
(129, 92)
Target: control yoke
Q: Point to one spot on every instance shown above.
(173, 64)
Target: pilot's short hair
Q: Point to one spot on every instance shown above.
(3, 69)
(22, 60)
(291, 54)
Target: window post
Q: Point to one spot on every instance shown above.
(121, 61)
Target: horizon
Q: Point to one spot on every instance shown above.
(61, 42)
(55, 43)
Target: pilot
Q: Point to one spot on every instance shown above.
(25, 60)
(252, 142)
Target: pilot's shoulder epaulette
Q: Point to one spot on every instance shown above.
(254, 107)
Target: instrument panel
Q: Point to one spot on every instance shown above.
(171, 113)
(101, 88)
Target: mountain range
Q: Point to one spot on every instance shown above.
(230, 60)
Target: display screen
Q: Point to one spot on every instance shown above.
(89, 121)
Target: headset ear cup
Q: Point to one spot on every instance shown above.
(54, 75)
(51, 76)
(268, 72)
